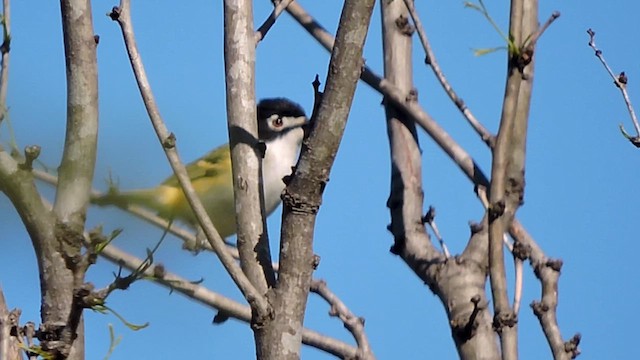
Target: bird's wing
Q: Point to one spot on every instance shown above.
(213, 164)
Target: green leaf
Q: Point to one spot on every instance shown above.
(485, 51)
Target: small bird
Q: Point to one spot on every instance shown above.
(280, 128)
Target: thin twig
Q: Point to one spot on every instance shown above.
(191, 290)
(517, 293)
(621, 82)
(226, 307)
(280, 5)
(430, 60)
(123, 17)
(531, 42)
(430, 219)
(353, 323)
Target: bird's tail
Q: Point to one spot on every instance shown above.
(146, 198)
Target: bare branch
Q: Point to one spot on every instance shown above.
(5, 48)
(75, 173)
(454, 150)
(239, 59)
(621, 83)
(9, 344)
(430, 218)
(431, 61)
(353, 323)
(256, 299)
(302, 196)
(548, 271)
(280, 5)
(508, 164)
(227, 308)
(189, 289)
(533, 39)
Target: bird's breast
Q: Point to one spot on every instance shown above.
(280, 157)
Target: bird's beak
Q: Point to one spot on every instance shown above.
(299, 121)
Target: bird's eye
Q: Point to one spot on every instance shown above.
(277, 122)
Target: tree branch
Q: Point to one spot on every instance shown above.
(9, 344)
(280, 5)
(75, 173)
(455, 151)
(239, 59)
(5, 48)
(507, 173)
(254, 297)
(432, 62)
(208, 297)
(620, 81)
(354, 324)
(227, 308)
(303, 194)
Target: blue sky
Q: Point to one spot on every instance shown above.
(581, 173)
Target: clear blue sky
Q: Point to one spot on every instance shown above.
(581, 173)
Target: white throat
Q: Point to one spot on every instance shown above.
(280, 156)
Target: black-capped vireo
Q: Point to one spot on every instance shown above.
(280, 128)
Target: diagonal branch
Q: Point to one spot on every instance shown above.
(226, 307)
(280, 5)
(620, 81)
(353, 323)
(431, 60)
(254, 297)
(209, 298)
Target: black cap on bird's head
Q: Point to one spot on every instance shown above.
(276, 116)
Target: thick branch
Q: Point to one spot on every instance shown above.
(75, 173)
(123, 17)
(9, 345)
(239, 59)
(457, 281)
(303, 194)
(406, 197)
(507, 173)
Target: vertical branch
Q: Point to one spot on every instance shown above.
(57, 237)
(239, 57)
(406, 196)
(303, 194)
(78, 159)
(4, 50)
(9, 347)
(507, 174)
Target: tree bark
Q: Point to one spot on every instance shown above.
(303, 194)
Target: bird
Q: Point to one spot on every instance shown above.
(281, 128)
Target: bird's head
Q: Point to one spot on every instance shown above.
(278, 117)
